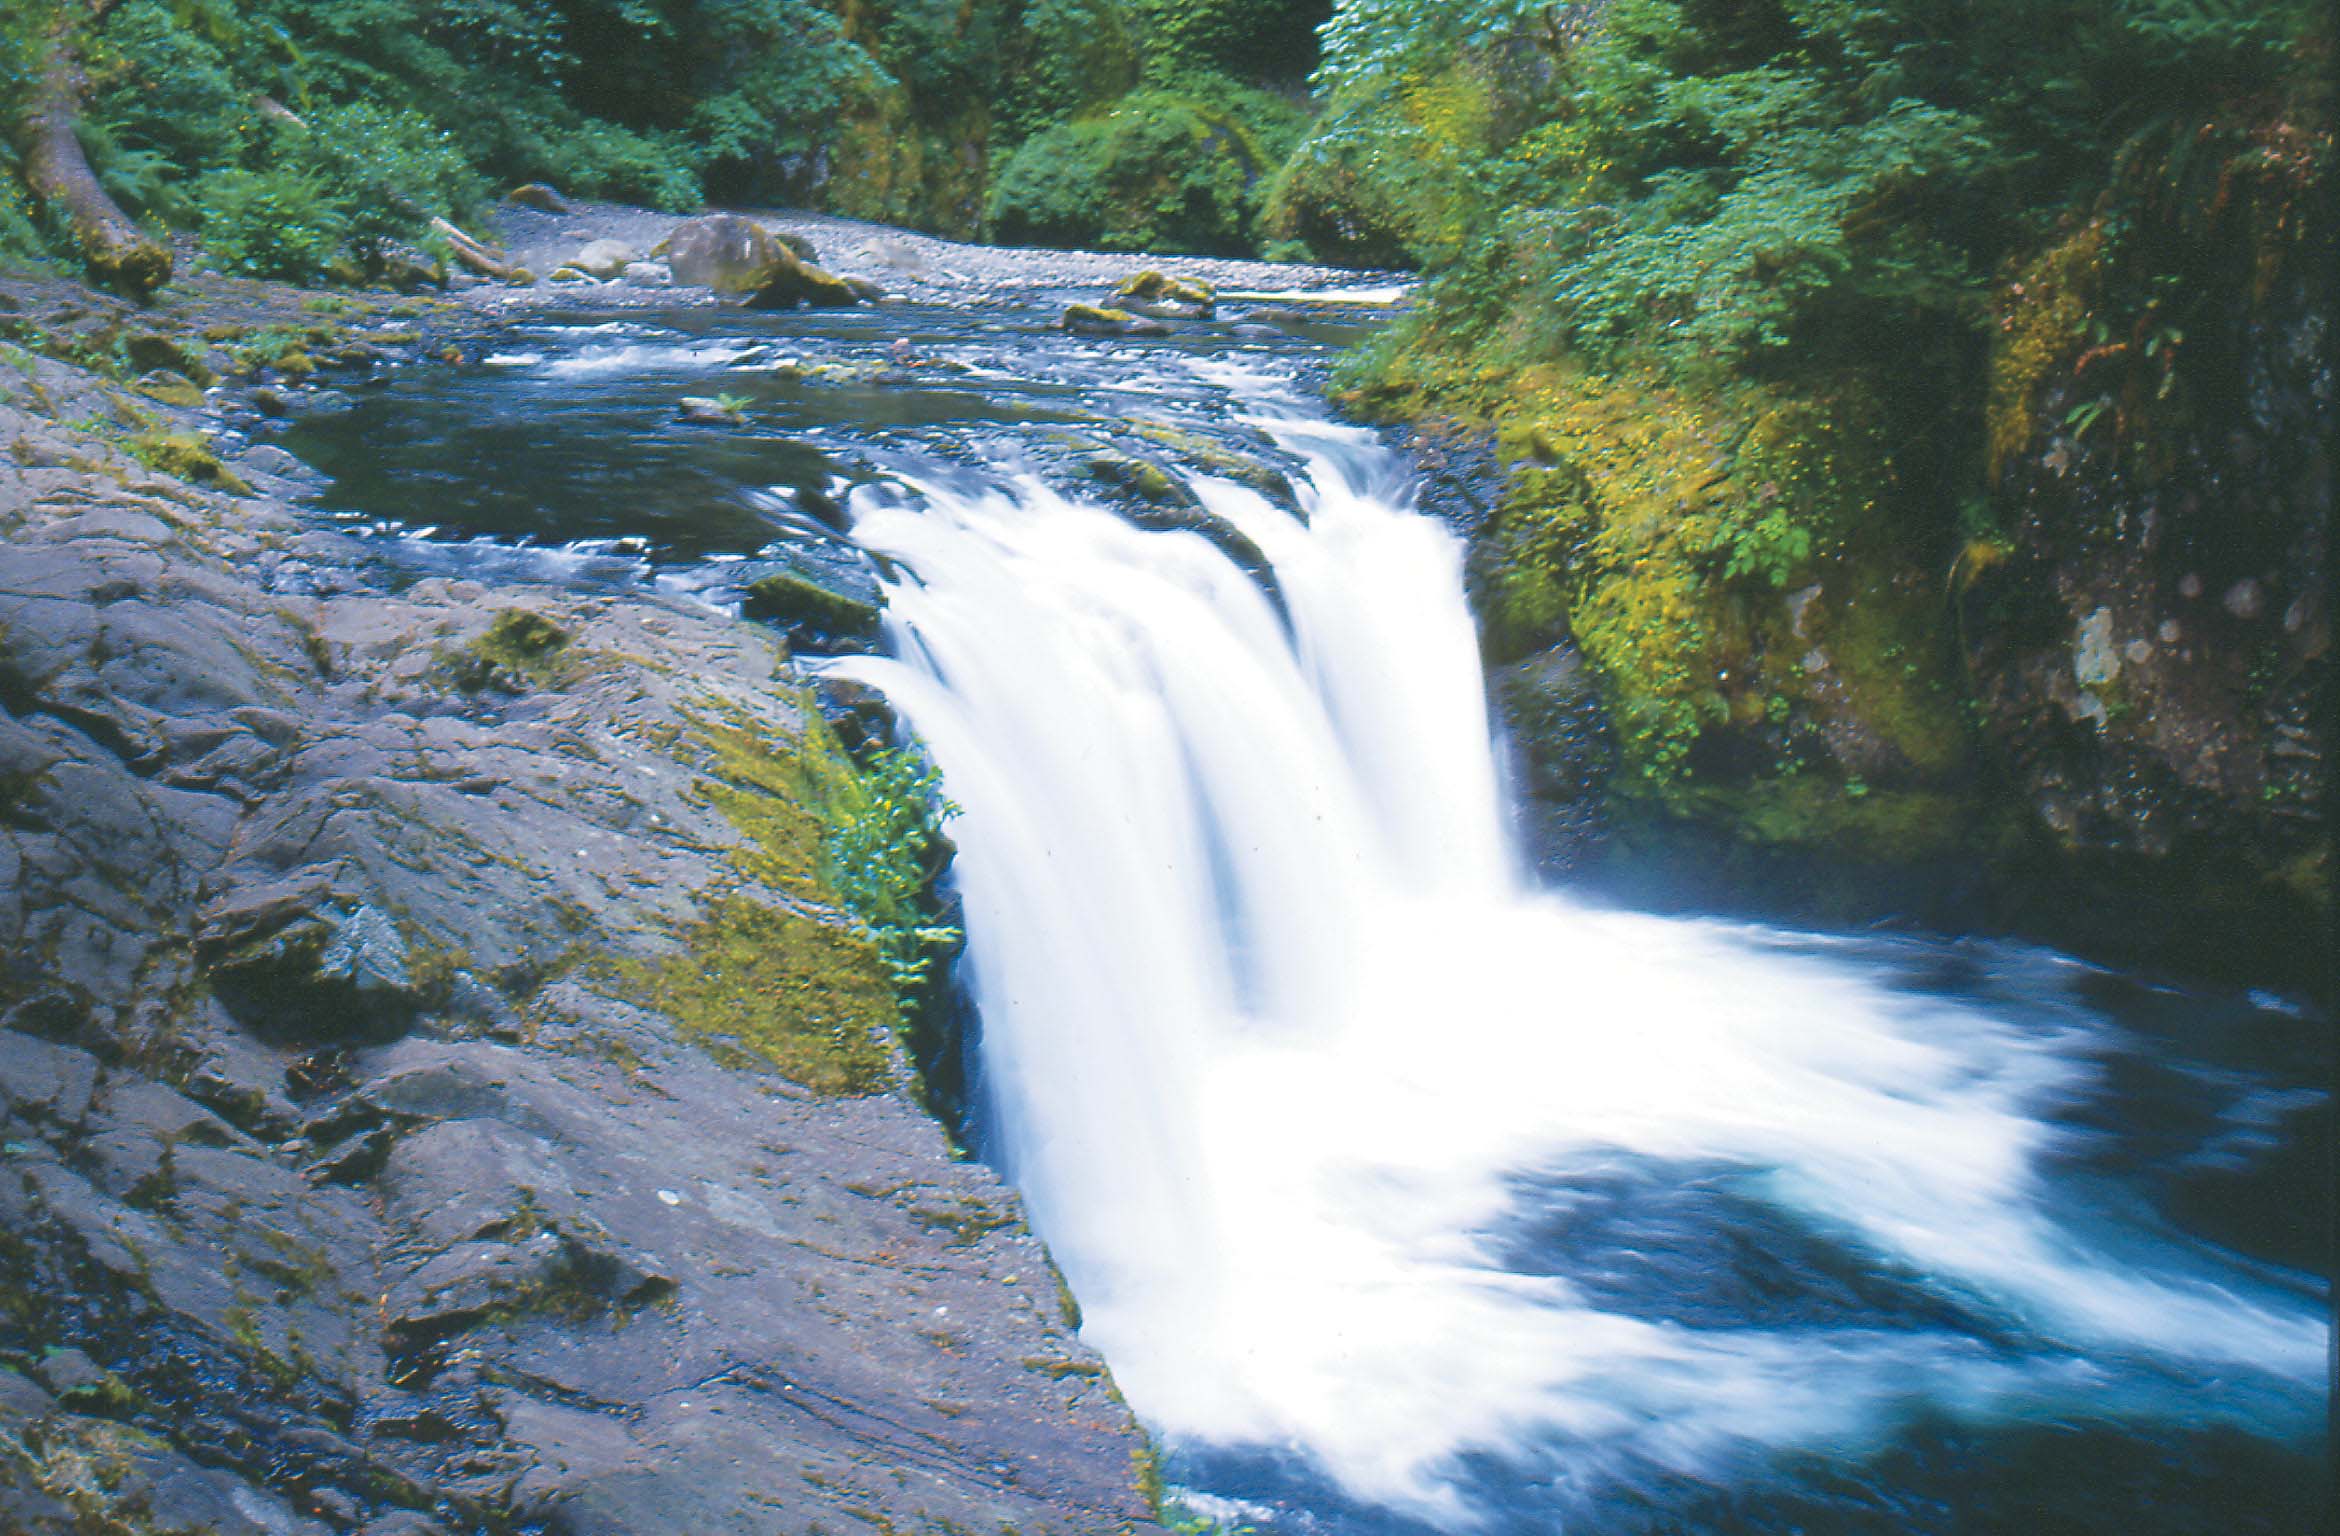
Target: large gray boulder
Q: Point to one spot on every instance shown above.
(740, 259)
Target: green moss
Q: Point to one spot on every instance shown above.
(1153, 286)
(791, 600)
(520, 649)
(781, 797)
(185, 457)
(170, 391)
(1215, 459)
(1133, 476)
(2043, 314)
(809, 998)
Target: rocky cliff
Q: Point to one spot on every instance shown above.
(390, 989)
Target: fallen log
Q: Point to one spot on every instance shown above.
(481, 258)
(120, 254)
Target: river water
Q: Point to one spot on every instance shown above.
(1402, 1195)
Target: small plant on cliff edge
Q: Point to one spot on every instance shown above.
(882, 855)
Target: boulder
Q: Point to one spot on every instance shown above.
(707, 411)
(741, 259)
(605, 259)
(722, 251)
(800, 282)
(1163, 297)
(1091, 320)
(535, 194)
(815, 616)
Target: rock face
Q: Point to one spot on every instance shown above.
(351, 1182)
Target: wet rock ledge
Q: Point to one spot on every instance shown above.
(353, 1180)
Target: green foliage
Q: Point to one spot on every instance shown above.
(1160, 170)
(1248, 39)
(881, 856)
(279, 223)
(1068, 58)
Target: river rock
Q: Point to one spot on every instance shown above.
(535, 194)
(1092, 320)
(732, 255)
(814, 611)
(1155, 293)
(739, 258)
(707, 412)
(796, 282)
(605, 259)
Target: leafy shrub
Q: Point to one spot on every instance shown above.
(280, 223)
(881, 857)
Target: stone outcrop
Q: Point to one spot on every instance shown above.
(352, 1182)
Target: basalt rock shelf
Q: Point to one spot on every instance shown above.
(349, 1185)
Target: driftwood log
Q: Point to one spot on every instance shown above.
(57, 172)
(482, 258)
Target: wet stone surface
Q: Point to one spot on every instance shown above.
(346, 1188)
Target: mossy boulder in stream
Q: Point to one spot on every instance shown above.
(740, 259)
(1154, 292)
(815, 612)
(1095, 320)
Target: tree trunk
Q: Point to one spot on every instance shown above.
(119, 253)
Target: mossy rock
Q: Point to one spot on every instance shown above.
(186, 458)
(151, 352)
(763, 986)
(815, 617)
(537, 195)
(1153, 292)
(520, 650)
(1095, 320)
(1136, 478)
(170, 389)
(1216, 458)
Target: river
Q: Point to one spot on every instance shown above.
(1401, 1194)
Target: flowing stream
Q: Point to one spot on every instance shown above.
(1405, 1196)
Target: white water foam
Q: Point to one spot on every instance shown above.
(1271, 1030)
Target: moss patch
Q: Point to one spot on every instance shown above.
(809, 998)
(2043, 314)
(184, 457)
(521, 649)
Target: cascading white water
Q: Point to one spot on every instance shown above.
(1272, 1031)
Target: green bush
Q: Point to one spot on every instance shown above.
(881, 855)
(280, 223)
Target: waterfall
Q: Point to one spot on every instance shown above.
(1277, 1041)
